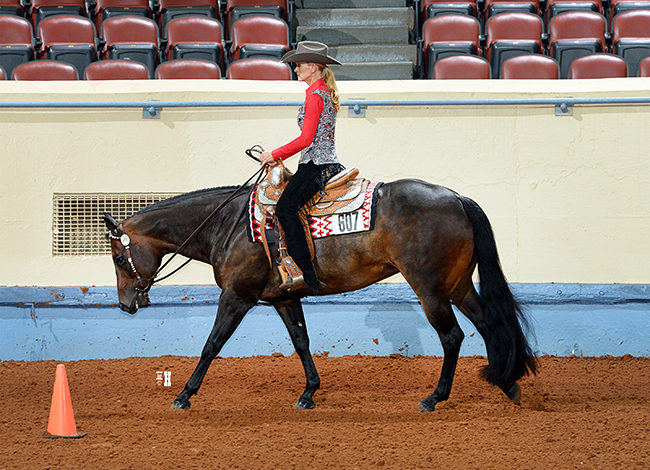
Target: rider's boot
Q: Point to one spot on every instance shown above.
(300, 274)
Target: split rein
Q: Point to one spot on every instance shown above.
(145, 283)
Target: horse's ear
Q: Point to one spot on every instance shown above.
(111, 223)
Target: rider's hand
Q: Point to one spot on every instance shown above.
(267, 158)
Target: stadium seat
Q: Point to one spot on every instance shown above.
(434, 8)
(598, 66)
(644, 67)
(45, 70)
(11, 7)
(3, 74)
(188, 69)
(557, 7)
(575, 34)
(448, 35)
(15, 42)
(131, 37)
(68, 38)
(461, 67)
(494, 7)
(631, 38)
(106, 9)
(237, 9)
(259, 36)
(530, 67)
(258, 69)
(172, 9)
(116, 70)
(510, 35)
(617, 7)
(41, 9)
(195, 37)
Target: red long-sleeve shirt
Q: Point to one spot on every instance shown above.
(313, 109)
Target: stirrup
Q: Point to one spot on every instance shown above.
(291, 274)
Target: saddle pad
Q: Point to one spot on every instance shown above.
(359, 220)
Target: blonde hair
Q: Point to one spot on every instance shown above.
(330, 81)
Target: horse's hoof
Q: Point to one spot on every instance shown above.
(181, 404)
(305, 404)
(426, 406)
(514, 393)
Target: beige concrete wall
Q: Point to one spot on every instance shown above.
(568, 196)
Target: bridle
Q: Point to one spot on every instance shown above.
(145, 283)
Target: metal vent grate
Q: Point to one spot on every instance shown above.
(78, 223)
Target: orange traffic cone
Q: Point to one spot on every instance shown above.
(62, 422)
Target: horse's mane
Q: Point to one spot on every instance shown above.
(194, 197)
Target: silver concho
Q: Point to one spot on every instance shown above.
(126, 241)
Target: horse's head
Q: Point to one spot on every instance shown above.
(135, 264)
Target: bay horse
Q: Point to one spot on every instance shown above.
(430, 234)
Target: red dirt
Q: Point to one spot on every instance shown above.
(577, 413)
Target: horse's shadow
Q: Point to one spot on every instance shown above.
(399, 325)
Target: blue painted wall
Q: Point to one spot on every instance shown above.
(76, 323)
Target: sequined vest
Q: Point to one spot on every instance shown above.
(322, 150)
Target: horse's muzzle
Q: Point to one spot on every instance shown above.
(141, 301)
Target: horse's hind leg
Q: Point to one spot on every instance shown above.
(469, 303)
(440, 315)
(230, 313)
(294, 319)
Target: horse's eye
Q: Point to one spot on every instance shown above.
(119, 260)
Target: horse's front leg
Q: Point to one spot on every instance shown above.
(230, 313)
(294, 319)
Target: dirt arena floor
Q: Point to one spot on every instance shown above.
(577, 413)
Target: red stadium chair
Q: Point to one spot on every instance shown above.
(195, 37)
(617, 7)
(133, 38)
(598, 66)
(258, 69)
(448, 35)
(237, 9)
(530, 67)
(434, 8)
(510, 35)
(68, 38)
(462, 67)
(106, 9)
(116, 70)
(188, 69)
(557, 7)
(576, 34)
(45, 70)
(41, 9)
(173, 9)
(11, 7)
(631, 38)
(259, 36)
(15, 42)
(644, 67)
(494, 7)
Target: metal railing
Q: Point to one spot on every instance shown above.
(356, 107)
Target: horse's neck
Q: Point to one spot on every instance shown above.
(171, 227)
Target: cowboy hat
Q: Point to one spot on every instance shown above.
(310, 51)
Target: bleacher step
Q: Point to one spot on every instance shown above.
(374, 71)
(374, 53)
(344, 35)
(307, 4)
(355, 17)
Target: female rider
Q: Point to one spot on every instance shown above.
(318, 161)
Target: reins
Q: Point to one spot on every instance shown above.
(258, 174)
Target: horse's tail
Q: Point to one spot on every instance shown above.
(509, 354)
